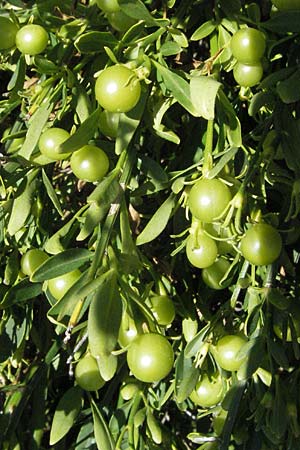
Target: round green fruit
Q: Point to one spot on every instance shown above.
(8, 32)
(248, 75)
(90, 163)
(261, 244)
(120, 21)
(109, 123)
(248, 45)
(87, 374)
(208, 199)
(163, 309)
(60, 285)
(108, 6)
(117, 89)
(32, 39)
(150, 357)
(209, 391)
(32, 259)
(226, 352)
(213, 274)
(201, 250)
(49, 143)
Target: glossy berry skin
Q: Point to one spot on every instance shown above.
(208, 199)
(32, 259)
(109, 123)
(248, 45)
(226, 352)
(287, 5)
(60, 285)
(108, 6)
(213, 274)
(120, 21)
(87, 374)
(261, 244)
(247, 75)
(32, 39)
(163, 309)
(150, 357)
(117, 89)
(208, 392)
(50, 141)
(90, 163)
(8, 31)
(201, 251)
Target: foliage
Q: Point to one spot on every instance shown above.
(198, 290)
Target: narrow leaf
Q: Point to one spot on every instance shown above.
(204, 91)
(61, 263)
(95, 41)
(22, 204)
(82, 135)
(128, 124)
(228, 156)
(102, 433)
(65, 414)
(24, 290)
(177, 86)
(203, 31)
(104, 317)
(37, 123)
(51, 193)
(186, 377)
(158, 222)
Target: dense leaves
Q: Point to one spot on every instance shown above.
(149, 224)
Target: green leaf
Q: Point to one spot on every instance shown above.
(253, 350)
(17, 80)
(289, 89)
(22, 203)
(204, 91)
(82, 135)
(53, 244)
(159, 109)
(51, 193)
(228, 156)
(104, 317)
(36, 126)
(272, 79)
(170, 48)
(203, 31)
(186, 377)
(195, 344)
(65, 414)
(158, 222)
(231, 403)
(260, 100)
(137, 10)
(45, 65)
(95, 41)
(62, 263)
(102, 433)
(230, 120)
(24, 290)
(107, 365)
(128, 124)
(284, 22)
(154, 428)
(177, 86)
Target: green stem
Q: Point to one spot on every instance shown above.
(207, 157)
(127, 160)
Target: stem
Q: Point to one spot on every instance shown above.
(105, 231)
(208, 159)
